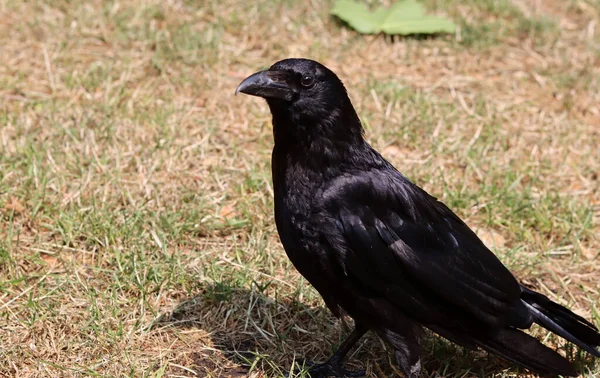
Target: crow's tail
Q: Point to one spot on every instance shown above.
(525, 350)
(562, 321)
(515, 346)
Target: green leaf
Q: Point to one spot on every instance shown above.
(404, 17)
(358, 16)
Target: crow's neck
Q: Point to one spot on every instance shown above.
(318, 143)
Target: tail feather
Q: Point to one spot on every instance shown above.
(525, 350)
(562, 321)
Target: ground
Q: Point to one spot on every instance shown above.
(136, 224)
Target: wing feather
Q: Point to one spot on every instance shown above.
(402, 238)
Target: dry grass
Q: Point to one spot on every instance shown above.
(136, 234)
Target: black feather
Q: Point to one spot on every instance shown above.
(562, 321)
(528, 352)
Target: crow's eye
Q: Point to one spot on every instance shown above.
(307, 81)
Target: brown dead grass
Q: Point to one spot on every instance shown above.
(135, 197)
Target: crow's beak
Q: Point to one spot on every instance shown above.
(268, 84)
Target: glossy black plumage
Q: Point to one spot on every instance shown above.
(382, 250)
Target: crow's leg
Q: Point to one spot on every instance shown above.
(407, 348)
(333, 367)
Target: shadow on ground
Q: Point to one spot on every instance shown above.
(251, 334)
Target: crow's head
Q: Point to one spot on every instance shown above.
(302, 88)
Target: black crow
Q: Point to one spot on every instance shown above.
(382, 250)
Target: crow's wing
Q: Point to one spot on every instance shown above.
(391, 235)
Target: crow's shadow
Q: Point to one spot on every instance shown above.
(252, 330)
